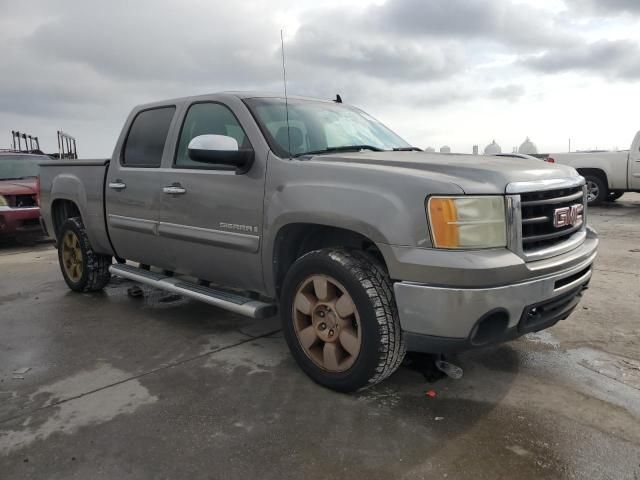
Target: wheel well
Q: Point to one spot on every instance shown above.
(61, 211)
(594, 172)
(294, 240)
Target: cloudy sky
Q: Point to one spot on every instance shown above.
(456, 72)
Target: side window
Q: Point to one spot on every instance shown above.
(147, 136)
(207, 119)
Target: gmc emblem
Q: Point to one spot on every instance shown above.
(566, 216)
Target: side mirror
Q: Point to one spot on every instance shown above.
(220, 149)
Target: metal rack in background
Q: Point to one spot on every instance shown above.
(29, 142)
(66, 146)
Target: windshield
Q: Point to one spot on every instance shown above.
(19, 166)
(316, 126)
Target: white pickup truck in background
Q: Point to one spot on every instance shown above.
(609, 174)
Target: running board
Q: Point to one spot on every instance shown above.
(229, 301)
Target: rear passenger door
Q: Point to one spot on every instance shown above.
(133, 186)
(212, 228)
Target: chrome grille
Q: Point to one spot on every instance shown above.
(538, 230)
(532, 208)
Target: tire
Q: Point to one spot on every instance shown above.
(613, 196)
(83, 269)
(374, 319)
(597, 190)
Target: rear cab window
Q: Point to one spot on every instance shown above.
(147, 137)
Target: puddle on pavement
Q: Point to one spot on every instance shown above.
(253, 357)
(88, 409)
(544, 337)
(621, 369)
(78, 384)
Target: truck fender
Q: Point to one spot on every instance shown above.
(333, 206)
(66, 186)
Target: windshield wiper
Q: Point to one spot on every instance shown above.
(345, 148)
(407, 149)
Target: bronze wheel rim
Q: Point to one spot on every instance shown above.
(326, 323)
(72, 256)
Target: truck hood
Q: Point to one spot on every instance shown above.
(475, 174)
(24, 186)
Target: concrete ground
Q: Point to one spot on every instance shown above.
(160, 387)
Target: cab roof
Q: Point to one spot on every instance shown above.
(236, 94)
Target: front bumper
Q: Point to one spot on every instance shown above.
(16, 221)
(447, 318)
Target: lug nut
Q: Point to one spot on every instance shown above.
(323, 326)
(321, 314)
(331, 332)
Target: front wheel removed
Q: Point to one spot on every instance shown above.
(340, 319)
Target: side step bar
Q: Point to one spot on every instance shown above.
(229, 301)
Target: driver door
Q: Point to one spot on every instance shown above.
(211, 217)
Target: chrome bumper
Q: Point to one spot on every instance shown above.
(454, 312)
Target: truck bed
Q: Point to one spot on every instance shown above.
(82, 182)
(613, 164)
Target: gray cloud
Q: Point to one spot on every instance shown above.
(514, 25)
(80, 63)
(612, 59)
(154, 40)
(613, 7)
(375, 56)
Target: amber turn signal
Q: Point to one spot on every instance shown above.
(467, 222)
(443, 216)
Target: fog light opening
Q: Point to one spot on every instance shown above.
(490, 328)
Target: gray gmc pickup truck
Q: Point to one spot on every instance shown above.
(365, 245)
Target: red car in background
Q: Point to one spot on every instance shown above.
(19, 209)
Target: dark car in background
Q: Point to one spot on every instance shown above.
(19, 209)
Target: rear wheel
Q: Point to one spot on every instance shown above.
(340, 319)
(83, 269)
(597, 190)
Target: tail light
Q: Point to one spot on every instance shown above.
(550, 160)
(38, 190)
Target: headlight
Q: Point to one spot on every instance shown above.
(467, 222)
(3, 201)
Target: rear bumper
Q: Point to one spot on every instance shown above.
(16, 221)
(444, 319)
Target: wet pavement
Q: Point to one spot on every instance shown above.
(159, 387)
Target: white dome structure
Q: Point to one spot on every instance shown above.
(445, 149)
(528, 147)
(430, 150)
(492, 149)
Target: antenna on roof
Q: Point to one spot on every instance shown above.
(286, 101)
(338, 98)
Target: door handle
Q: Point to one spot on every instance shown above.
(174, 190)
(117, 185)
